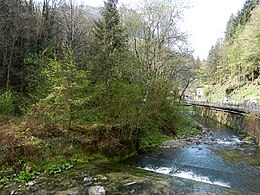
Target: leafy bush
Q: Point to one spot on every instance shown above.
(6, 103)
(26, 176)
(57, 168)
(186, 126)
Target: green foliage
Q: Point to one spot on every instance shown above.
(57, 168)
(239, 21)
(121, 103)
(25, 176)
(109, 42)
(152, 139)
(186, 126)
(67, 91)
(6, 103)
(56, 165)
(16, 176)
(4, 180)
(233, 63)
(247, 138)
(127, 83)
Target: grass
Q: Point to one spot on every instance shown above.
(27, 149)
(217, 93)
(247, 92)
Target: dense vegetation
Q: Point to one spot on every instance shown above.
(76, 83)
(232, 70)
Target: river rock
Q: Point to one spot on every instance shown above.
(172, 144)
(96, 190)
(30, 183)
(88, 180)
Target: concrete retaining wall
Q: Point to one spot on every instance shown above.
(239, 121)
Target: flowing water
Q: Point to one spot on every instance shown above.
(219, 162)
(221, 159)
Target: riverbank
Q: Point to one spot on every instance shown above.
(106, 177)
(28, 151)
(98, 177)
(246, 123)
(103, 177)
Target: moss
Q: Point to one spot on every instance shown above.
(152, 139)
(124, 168)
(247, 138)
(235, 156)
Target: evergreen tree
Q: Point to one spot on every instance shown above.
(110, 41)
(66, 89)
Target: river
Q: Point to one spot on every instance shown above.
(221, 158)
(218, 162)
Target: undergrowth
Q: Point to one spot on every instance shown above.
(26, 150)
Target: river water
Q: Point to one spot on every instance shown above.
(221, 159)
(218, 162)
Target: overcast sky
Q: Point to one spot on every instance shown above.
(205, 21)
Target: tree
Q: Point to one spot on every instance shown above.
(250, 42)
(158, 43)
(110, 41)
(161, 54)
(18, 21)
(66, 91)
(234, 62)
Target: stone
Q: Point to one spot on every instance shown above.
(96, 190)
(129, 184)
(104, 178)
(88, 179)
(72, 191)
(30, 183)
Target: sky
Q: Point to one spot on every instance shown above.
(205, 21)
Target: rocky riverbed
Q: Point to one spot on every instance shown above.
(100, 178)
(95, 178)
(185, 141)
(207, 137)
(104, 177)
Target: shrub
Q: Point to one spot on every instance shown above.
(6, 103)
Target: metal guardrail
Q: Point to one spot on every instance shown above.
(251, 108)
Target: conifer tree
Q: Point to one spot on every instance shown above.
(110, 41)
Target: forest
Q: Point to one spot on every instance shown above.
(79, 83)
(232, 71)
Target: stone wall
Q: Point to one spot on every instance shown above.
(249, 123)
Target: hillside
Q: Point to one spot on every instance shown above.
(232, 70)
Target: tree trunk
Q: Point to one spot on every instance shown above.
(9, 65)
(183, 91)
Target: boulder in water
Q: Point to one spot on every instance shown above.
(96, 190)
